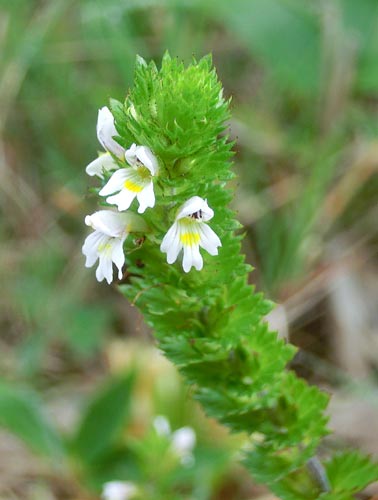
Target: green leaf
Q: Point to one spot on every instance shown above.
(21, 414)
(117, 110)
(104, 418)
(349, 472)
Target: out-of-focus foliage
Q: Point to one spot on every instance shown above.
(112, 440)
(20, 412)
(304, 84)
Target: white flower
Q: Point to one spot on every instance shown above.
(104, 162)
(133, 182)
(106, 131)
(189, 232)
(106, 242)
(119, 490)
(183, 442)
(162, 426)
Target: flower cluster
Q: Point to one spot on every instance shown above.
(182, 441)
(132, 173)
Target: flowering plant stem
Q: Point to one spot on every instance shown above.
(207, 319)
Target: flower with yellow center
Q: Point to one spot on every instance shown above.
(106, 242)
(134, 181)
(189, 232)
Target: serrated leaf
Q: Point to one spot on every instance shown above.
(117, 110)
(139, 61)
(349, 472)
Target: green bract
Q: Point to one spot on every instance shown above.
(211, 323)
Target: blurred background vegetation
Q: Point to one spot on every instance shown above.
(81, 382)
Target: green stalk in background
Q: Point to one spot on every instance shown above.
(210, 322)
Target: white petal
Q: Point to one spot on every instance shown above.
(187, 261)
(146, 197)
(113, 147)
(108, 222)
(174, 251)
(197, 258)
(99, 273)
(104, 119)
(116, 182)
(123, 199)
(161, 425)
(209, 240)
(146, 156)
(90, 246)
(193, 205)
(105, 267)
(183, 440)
(106, 131)
(171, 244)
(169, 238)
(91, 242)
(118, 256)
(91, 259)
(130, 155)
(103, 162)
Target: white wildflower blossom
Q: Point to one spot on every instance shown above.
(134, 181)
(162, 426)
(104, 162)
(105, 244)
(189, 232)
(182, 441)
(106, 131)
(119, 490)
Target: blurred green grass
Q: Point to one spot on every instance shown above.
(304, 82)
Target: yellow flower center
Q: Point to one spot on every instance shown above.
(138, 181)
(132, 186)
(189, 239)
(104, 248)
